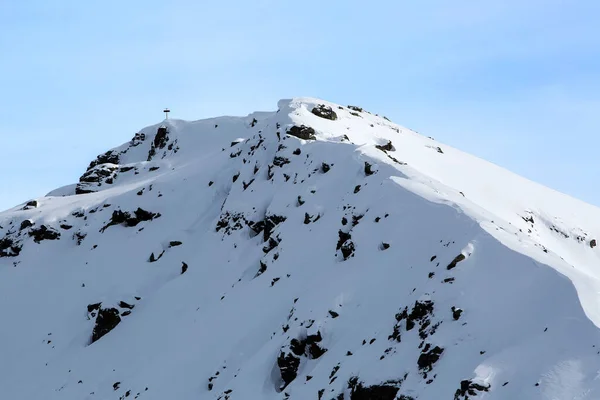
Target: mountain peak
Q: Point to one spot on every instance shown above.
(316, 251)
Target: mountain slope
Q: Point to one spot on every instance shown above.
(298, 255)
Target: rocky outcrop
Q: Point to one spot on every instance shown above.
(44, 233)
(106, 321)
(324, 111)
(92, 179)
(127, 219)
(302, 132)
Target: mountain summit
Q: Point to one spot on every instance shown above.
(316, 252)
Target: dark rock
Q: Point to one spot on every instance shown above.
(325, 167)
(297, 152)
(8, 247)
(368, 170)
(153, 258)
(280, 161)
(66, 227)
(356, 189)
(288, 368)
(456, 312)
(161, 138)
(184, 268)
(469, 388)
(347, 249)
(271, 244)
(306, 219)
(107, 158)
(302, 132)
(262, 269)
(26, 224)
(456, 260)
(593, 243)
(31, 204)
(78, 237)
(44, 233)
(355, 108)
(324, 111)
(175, 243)
(386, 147)
(333, 314)
(385, 246)
(122, 304)
(270, 222)
(125, 218)
(428, 357)
(153, 169)
(343, 237)
(384, 391)
(93, 307)
(107, 320)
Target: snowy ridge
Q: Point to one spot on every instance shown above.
(315, 252)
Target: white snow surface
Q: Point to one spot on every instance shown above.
(528, 286)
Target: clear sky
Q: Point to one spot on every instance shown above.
(515, 82)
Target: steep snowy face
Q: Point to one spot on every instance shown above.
(315, 252)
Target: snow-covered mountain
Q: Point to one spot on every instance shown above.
(315, 252)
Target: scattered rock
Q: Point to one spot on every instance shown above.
(280, 161)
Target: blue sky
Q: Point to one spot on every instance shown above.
(514, 82)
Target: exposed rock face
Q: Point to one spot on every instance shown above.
(30, 204)
(289, 361)
(125, 218)
(9, 248)
(43, 233)
(324, 111)
(95, 177)
(106, 321)
(302, 132)
(469, 388)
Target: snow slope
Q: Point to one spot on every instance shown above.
(234, 260)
